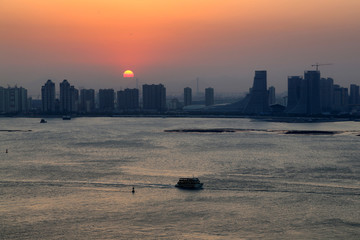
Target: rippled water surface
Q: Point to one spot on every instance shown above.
(73, 179)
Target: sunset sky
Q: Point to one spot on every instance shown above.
(92, 42)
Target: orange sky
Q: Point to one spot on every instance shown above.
(222, 42)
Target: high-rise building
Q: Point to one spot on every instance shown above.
(314, 104)
(87, 100)
(294, 89)
(69, 97)
(106, 100)
(326, 94)
(272, 96)
(309, 101)
(258, 101)
(187, 96)
(154, 97)
(74, 99)
(2, 99)
(65, 103)
(341, 99)
(209, 96)
(128, 99)
(48, 97)
(354, 95)
(13, 100)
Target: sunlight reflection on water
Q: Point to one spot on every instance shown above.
(73, 179)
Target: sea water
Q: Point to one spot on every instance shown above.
(74, 179)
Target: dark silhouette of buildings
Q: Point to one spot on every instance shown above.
(187, 96)
(13, 100)
(106, 100)
(309, 102)
(87, 100)
(308, 95)
(128, 99)
(313, 102)
(354, 95)
(154, 97)
(258, 99)
(326, 94)
(272, 97)
(294, 90)
(48, 97)
(340, 100)
(69, 97)
(209, 96)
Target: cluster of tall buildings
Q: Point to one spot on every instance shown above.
(71, 100)
(13, 99)
(307, 95)
(313, 95)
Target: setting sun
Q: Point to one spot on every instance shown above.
(128, 74)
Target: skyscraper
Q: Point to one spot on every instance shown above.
(106, 100)
(294, 90)
(326, 94)
(272, 96)
(65, 105)
(69, 97)
(309, 101)
(341, 99)
(313, 104)
(128, 99)
(209, 96)
(13, 100)
(2, 100)
(48, 97)
(187, 96)
(154, 97)
(258, 97)
(87, 100)
(354, 94)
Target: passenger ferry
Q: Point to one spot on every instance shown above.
(189, 183)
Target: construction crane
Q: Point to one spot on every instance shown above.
(320, 64)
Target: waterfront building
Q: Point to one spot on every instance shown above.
(313, 104)
(69, 97)
(106, 100)
(272, 96)
(294, 90)
(154, 97)
(13, 100)
(209, 96)
(309, 102)
(65, 105)
(326, 94)
(128, 99)
(48, 97)
(2, 100)
(87, 100)
(354, 98)
(341, 99)
(258, 101)
(187, 96)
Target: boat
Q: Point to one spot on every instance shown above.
(67, 117)
(189, 183)
(43, 121)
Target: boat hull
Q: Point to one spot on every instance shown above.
(189, 186)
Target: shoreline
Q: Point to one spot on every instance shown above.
(286, 119)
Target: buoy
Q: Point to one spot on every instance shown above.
(133, 190)
(6, 150)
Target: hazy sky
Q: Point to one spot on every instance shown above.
(92, 42)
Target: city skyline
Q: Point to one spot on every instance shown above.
(174, 43)
(310, 94)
